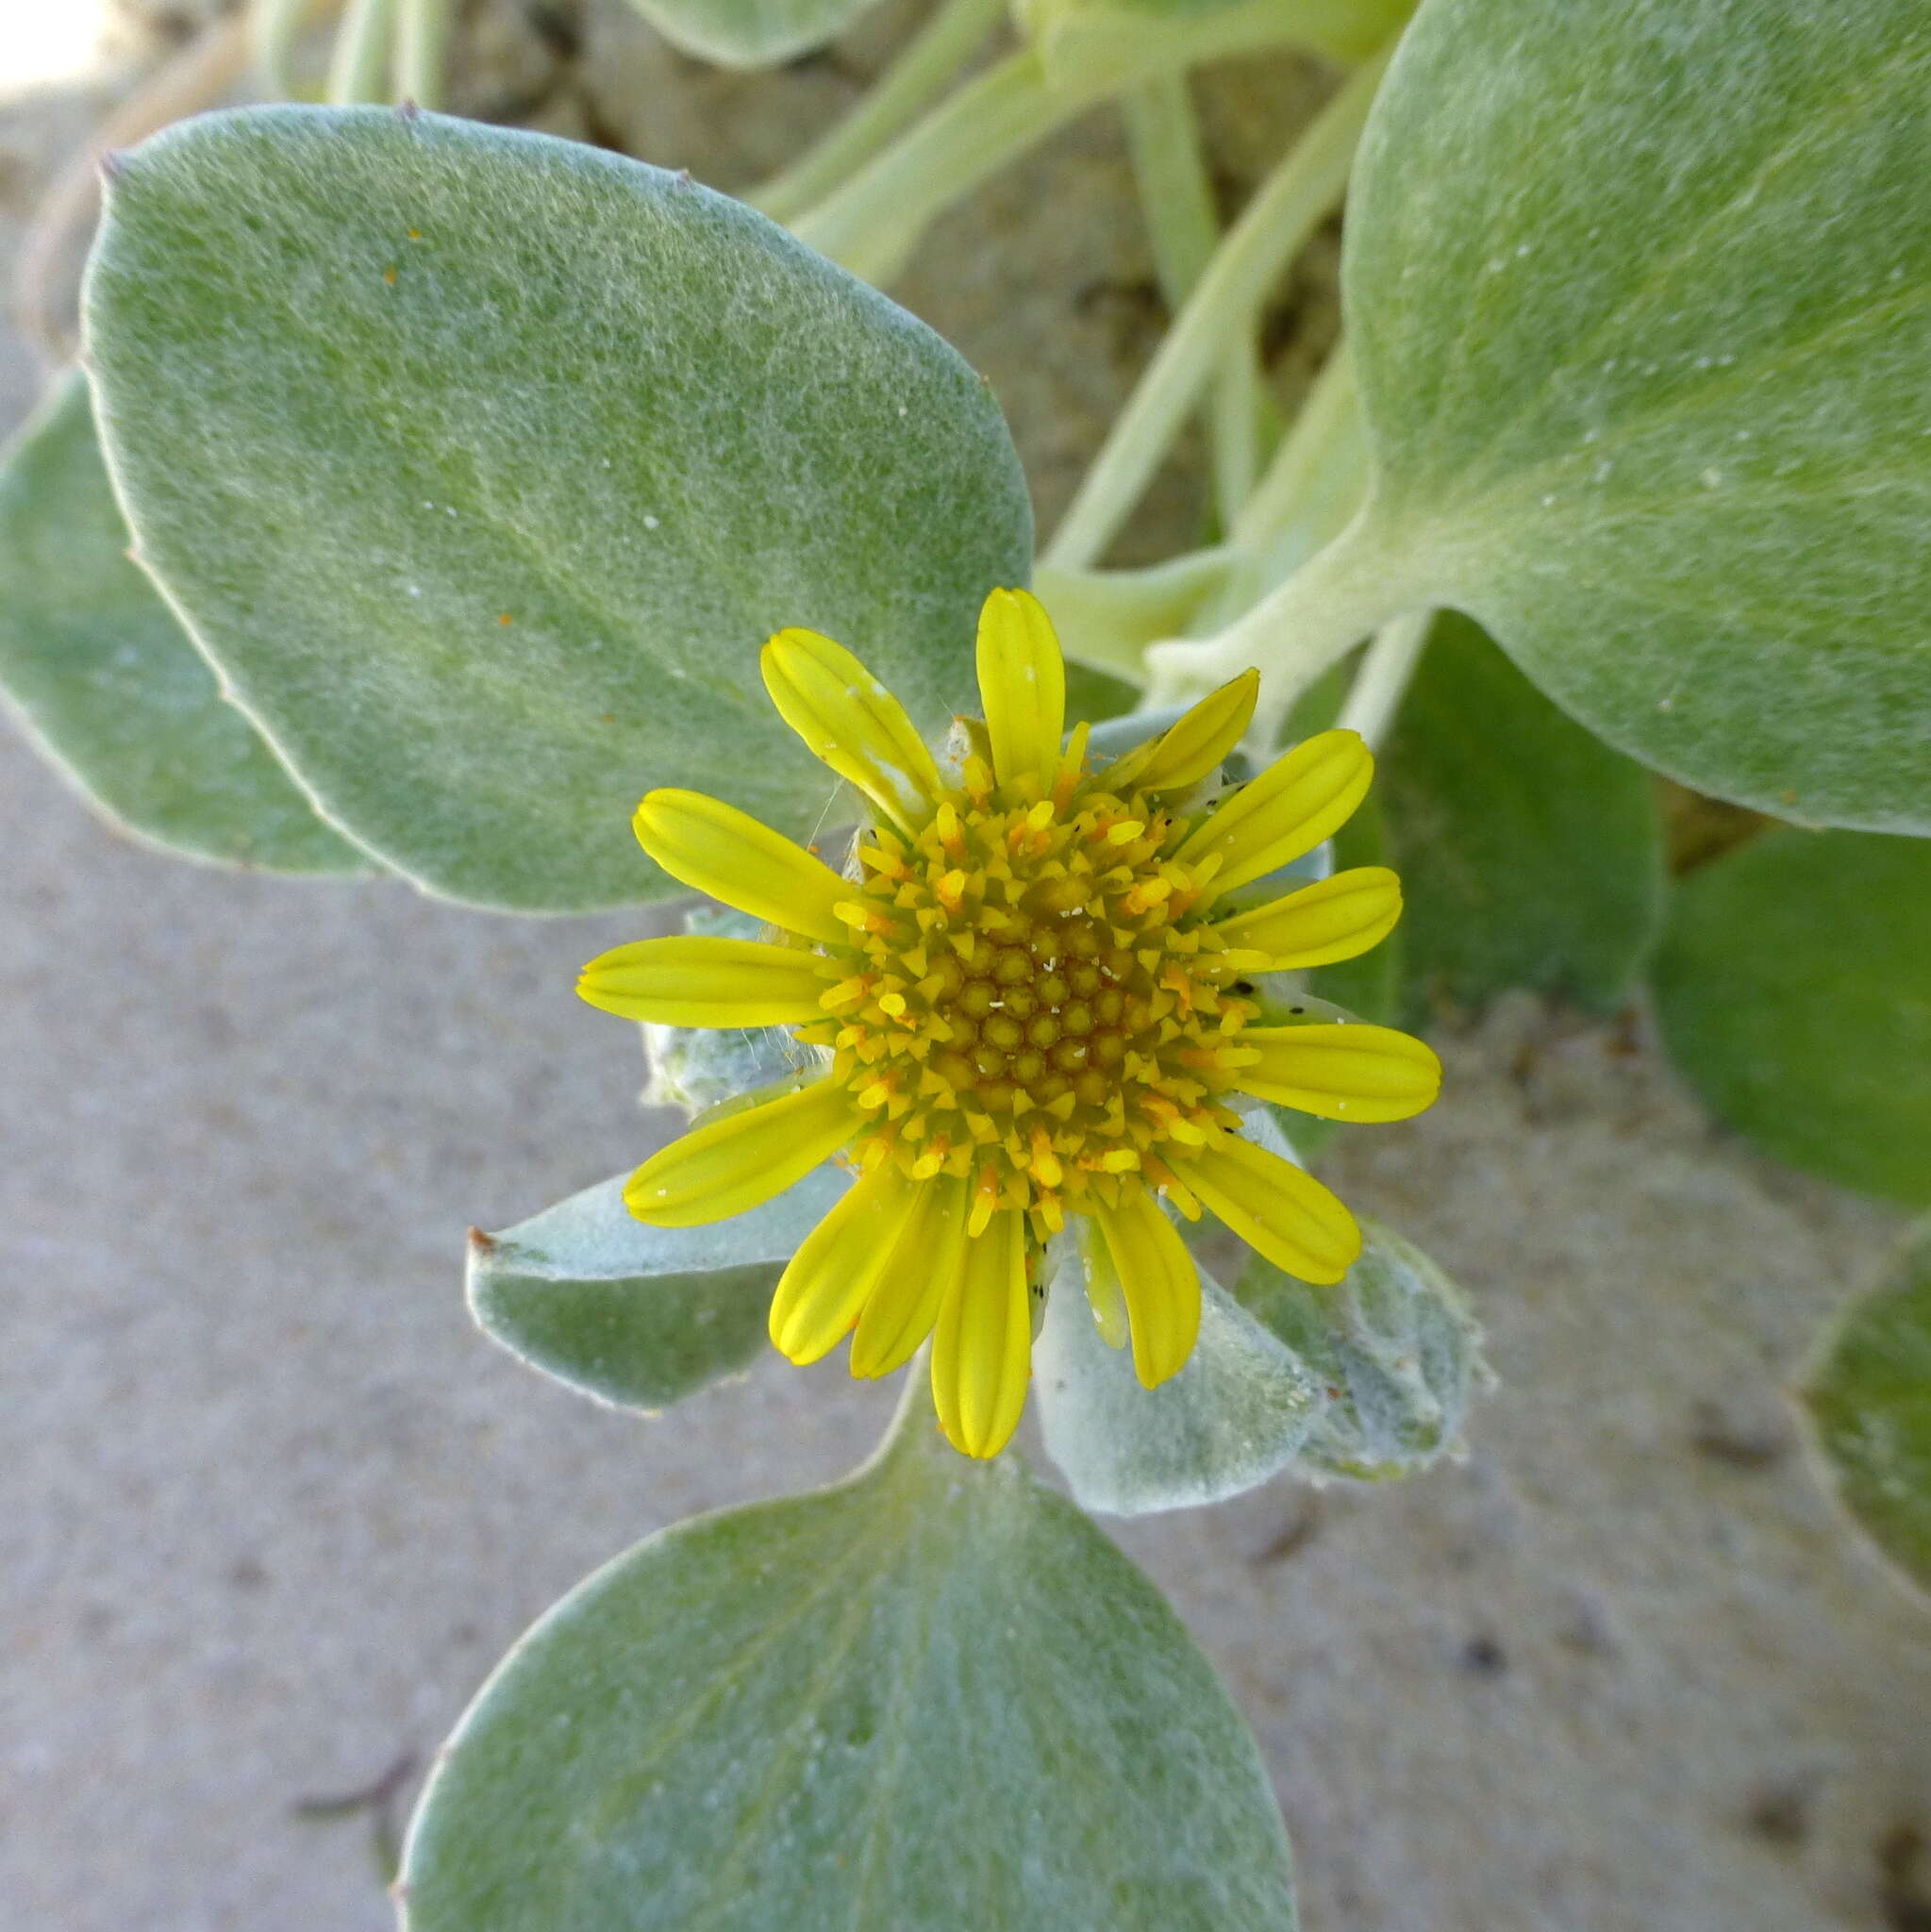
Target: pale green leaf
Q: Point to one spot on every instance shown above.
(113, 688)
(932, 1698)
(1233, 1416)
(1640, 302)
(1395, 1345)
(1794, 989)
(1530, 852)
(483, 464)
(1867, 1398)
(749, 33)
(635, 1315)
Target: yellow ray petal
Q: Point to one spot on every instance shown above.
(826, 1283)
(904, 1299)
(1337, 918)
(1161, 1283)
(726, 853)
(1191, 746)
(1022, 686)
(982, 1345)
(1305, 796)
(851, 722)
(736, 1161)
(1274, 1207)
(1103, 1294)
(1351, 1072)
(698, 980)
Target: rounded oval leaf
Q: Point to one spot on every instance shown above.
(110, 684)
(1867, 1398)
(484, 463)
(933, 1697)
(1794, 989)
(1236, 1414)
(1396, 1348)
(634, 1315)
(1640, 302)
(1531, 855)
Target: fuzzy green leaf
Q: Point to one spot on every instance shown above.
(634, 1315)
(1640, 302)
(1794, 989)
(113, 688)
(932, 1697)
(1233, 1416)
(483, 464)
(1530, 852)
(1395, 1345)
(1867, 1401)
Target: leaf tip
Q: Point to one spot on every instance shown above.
(481, 1243)
(407, 110)
(113, 164)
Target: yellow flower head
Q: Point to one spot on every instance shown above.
(1030, 1001)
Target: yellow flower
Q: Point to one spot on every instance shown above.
(1027, 1009)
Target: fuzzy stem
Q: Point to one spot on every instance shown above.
(873, 221)
(921, 71)
(1170, 168)
(1299, 631)
(1273, 228)
(1311, 488)
(1108, 618)
(1387, 666)
(358, 73)
(274, 27)
(422, 52)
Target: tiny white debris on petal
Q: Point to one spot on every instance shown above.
(1711, 477)
(650, 523)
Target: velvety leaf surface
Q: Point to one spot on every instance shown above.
(1393, 1342)
(635, 1315)
(1641, 301)
(483, 464)
(1233, 1416)
(113, 688)
(1794, 989)
(1867, 1400)
(749, 33)
(1530, 852)
(933, 1697)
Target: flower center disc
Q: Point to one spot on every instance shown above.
(1027, 1001)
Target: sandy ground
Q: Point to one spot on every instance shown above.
(271, 1508)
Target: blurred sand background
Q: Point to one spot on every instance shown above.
(270, 1508)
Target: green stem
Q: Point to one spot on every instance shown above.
(274, 26)
(1387, 666)
(873, 221)
(1272, 229)
(422, 52)
(1298, 632)
(1108, 618)
(1176, 193)
(1311, 488)
(922, 71)
(359, 70)
(1169, 170)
